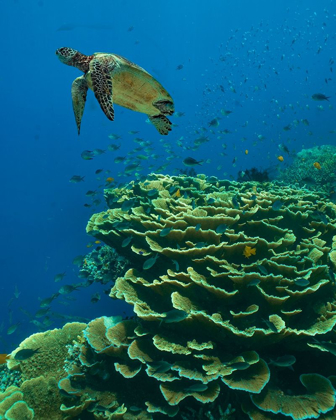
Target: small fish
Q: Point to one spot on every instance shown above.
(198, 227)
(113, 147)
(235, 202)
(152, 193)
(221, 228)
(78, 260)
(196, 388)
(13, 328)
(68, 288)
(109, 179)
(126, 241)
(87, 155)
(42, 312)
(128, 204)
(160, 367)
(164, 232)
(319, 216)
(262, 270)
(249, 251)
(225, 112)
(150, 262)
(16, 292)
(280, 158)
(98, 171)
(95, 298)
(283, 361)
(277, 205)
(175, 315)
(131, 168)
(114, 137)
(98, 152)
(270, 325)
(25, 354)
(253, 282)
(330, 347)
(189, 161)
(239, 365)
(214, 122)
(317, 165)
(59, 277)
(177, 266)
(75, 179)
(179, 67)
(320, 97)
(200, 245)
(302, 282)
(119, 159)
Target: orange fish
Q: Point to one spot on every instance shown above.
(317, 165)
(109, 180)
(246, 152)
(281, 158)
(3, 358)
(97, 242)
(248, 251)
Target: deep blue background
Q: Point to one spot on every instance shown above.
(274, 54)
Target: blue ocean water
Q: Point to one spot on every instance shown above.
(261, 60)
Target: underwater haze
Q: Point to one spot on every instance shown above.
(242, 75)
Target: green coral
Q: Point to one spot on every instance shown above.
(303, 172)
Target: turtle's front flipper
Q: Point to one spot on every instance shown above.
(161, 123)
(101, 76)
(79, 90)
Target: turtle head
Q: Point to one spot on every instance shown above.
(74, 58)
(67, 55)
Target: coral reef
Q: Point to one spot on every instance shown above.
(103, 265)
(233, 289)
(313, 168)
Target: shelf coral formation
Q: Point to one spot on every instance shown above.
(227, 280)
(313, 168)
(233, 291)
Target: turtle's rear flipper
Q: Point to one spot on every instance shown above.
(79, 90)
(165, 106)
(161, 123)
(101, 76)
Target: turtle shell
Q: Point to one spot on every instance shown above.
(133, 87)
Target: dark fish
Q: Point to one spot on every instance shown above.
(189, 161)
(221, 228)
(152, 193)
(165, 231)
(113, 147)
(42, 312)
(277, 205)
(59, 277)
(270, 325)
(301, 282)
(95, 298)
(283, 361)
(253, 282)
(235, 202)
(126, 241)
(179, 67)
(175, 315)
(239, 365)
(320, 97)
(128, 204)
(87, 155)
(160, 367)
(262, 270)
(150, 262)
(330, 347)
(98, 171)
(211, 200)
(25, 354)
(177, 266)
(319, 216)
(198, 227)
(196, 388)
(76, 178)
(68, 288)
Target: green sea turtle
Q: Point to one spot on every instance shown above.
(114, 79)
